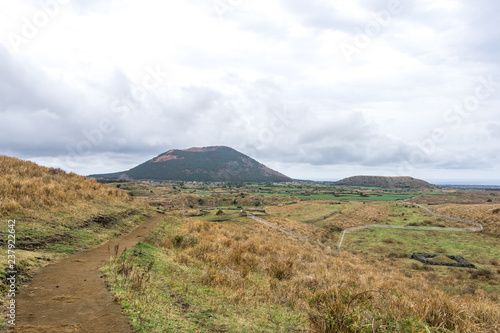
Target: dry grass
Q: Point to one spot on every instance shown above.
(321, 235)
(460, 197)
(258, 266)
(326, 213)
(307, 211)
(58, 213)
(358, 213)
(28, 188)
(487, 215)
(54, 209)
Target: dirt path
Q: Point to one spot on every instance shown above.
(70, 295)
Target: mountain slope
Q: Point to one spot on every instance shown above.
(385, 182)
(215, 163)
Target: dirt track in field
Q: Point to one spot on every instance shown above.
(70, 295)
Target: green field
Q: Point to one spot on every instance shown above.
(378, 197)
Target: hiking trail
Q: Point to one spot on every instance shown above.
(71, 296)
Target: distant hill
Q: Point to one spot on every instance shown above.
(217, 163)
(385, 182)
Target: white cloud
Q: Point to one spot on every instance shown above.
(225, 74)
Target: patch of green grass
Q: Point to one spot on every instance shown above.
(408, 216)
(381, 197)
(62, 248)
(479, 249)
(74, 240)
(474, 246)
(271, 194)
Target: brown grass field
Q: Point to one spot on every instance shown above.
(52, 206)
(240, 268)
(234, 270)
(200, 271)
(487, 215)
(27, 188)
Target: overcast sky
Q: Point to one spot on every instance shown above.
(316, 89)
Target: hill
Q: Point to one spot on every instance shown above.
(60, 212)
(217, 163)
(385, 182)
(54, 213)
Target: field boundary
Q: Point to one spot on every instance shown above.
(477, 226)
(272, 225)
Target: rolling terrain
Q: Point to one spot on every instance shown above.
(227, 272)
(246, 257)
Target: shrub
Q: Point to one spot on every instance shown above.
(281, 270)
(483, 272)
(422, 267)
(183, 241)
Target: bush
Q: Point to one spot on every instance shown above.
(281, 270)
(422, 267)
(183, 241)
(483, 272)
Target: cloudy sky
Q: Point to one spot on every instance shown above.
(316, 89)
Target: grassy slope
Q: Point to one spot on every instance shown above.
(208, 275)
(58, 213)
(488, 215)
(306, 212)
(201, 281)
(238, 276)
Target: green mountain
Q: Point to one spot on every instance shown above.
(216, 163)
(385, 182)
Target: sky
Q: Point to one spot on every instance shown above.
(315, 89)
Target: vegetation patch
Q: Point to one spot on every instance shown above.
(200, 271)
(208, 276)
(58, 213)
(183, 280)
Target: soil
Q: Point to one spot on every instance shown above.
(71, 296)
